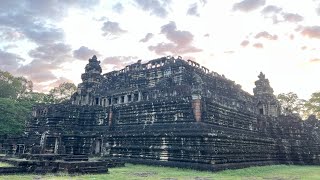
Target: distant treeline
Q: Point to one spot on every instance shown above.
(17, 98)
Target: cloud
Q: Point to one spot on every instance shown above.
(291, 17)
(56, 52)
(41, 76)
(244, 43)
(33, 19)
(112, 28)
(58, 82)
(271, 9)
(43, 35)
(84, 53)
(206, 35)
(276, 14)
(229, 52)
(119, 62)
(118, 8)
(154, 7)
(9, 46)
(258, 45)
(31, 27)
(291, 37)
(46, 9)
(147, 37)
(271, 12)
(38, 71)
(176, 36)
(9, 61)
(248, 5)
(10, 34)
(315, 60)
(266, 35)
(311, 31)
(181, 41)
(203, 2)
(163, 48)
(193, 10)
(46, 59)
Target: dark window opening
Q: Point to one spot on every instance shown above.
(144, 96)
(122, 99)
(115, 100)
(109, 101)
(135, 97)
(97, 101)
(261, 111)
(129, 98)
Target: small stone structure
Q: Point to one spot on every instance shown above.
(173, 112)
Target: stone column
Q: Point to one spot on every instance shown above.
(56, 146)
(110, 117)
(196, 107)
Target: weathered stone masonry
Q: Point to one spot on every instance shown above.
(174, 112)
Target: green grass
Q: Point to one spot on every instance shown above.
(5, 164)
(141, 172)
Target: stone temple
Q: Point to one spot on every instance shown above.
(172, 112)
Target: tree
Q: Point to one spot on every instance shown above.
(37, 97)
(313, 104)
(291, 104)
(17, 99)
(13, 115)
(13, 87)
(62, 93)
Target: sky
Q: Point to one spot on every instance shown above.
(50, 42)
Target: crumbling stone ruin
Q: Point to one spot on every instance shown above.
(172, 112)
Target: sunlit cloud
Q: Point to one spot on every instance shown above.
(266, 35)
(193, 10)
(154, 7)
(118, 8)
(311, 31)
(244, 43)
(248, 5)
(258, 45)
(112, 28)
(84, 53)
(147, 37)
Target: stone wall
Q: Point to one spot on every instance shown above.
(174, 112)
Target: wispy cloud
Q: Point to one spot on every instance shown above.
(118, 8)
(248, 5)
(181, 41)
(193, 10)
(154, 7)
(119, 62)
(311, 31)
(258, 45)
(266, 35)
(112, 28)
(84, 53)
(244, 43)
(147, 37)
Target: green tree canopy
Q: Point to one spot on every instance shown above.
(17, 99)
(13, 87)
(313, 104)
(291, 104)
(13, 115)
(62, 93)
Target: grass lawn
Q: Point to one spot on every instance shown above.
(276, 172)
(5, 164)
